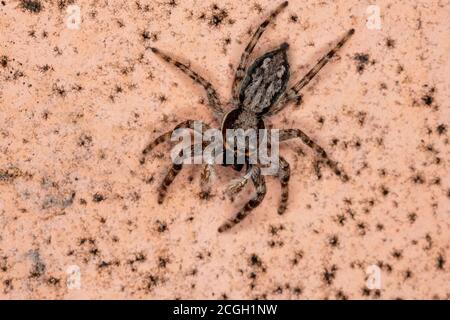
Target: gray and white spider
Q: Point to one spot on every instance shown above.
(258, 91)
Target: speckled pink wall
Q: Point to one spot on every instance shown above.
(80, 99)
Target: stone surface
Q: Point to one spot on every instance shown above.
(78, 213)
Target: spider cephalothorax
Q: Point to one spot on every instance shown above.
(259, 90)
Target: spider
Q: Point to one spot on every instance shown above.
(259, 90)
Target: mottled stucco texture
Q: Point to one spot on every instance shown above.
(79, 105)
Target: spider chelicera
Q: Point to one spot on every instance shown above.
(259, 90)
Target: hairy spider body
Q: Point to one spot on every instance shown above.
(259, 90)
(266, 79)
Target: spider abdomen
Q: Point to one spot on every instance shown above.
(266, 79)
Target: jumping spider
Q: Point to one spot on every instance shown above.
(258, 91)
